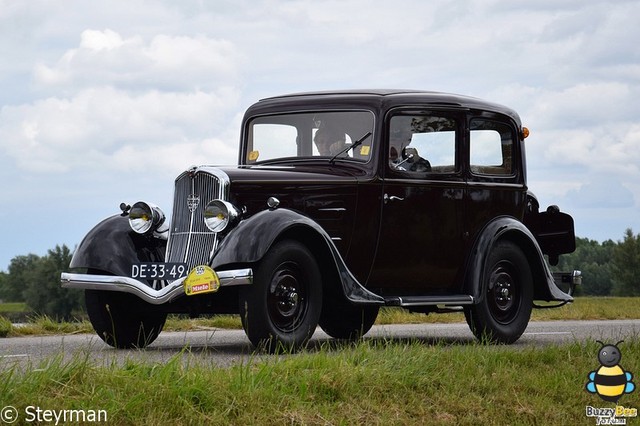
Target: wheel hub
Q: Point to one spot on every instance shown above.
(288, 300)
(502, 294)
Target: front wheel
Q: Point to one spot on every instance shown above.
(504, 310)
(280, 310)
(123, 320)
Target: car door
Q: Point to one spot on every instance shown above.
(495, 181)
(421, 234)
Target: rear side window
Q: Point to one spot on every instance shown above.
(492, 147)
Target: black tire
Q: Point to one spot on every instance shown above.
(280, 310)
(503, 313)
(343, 320)
(123, 320)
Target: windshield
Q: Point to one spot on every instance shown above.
(310, 135)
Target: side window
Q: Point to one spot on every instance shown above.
(491, 144)
(420, 144)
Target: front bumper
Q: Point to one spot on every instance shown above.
(142, 290)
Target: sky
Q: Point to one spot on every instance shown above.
(108, 101)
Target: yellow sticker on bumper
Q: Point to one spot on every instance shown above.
(201, 279)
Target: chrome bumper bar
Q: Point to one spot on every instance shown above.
(142, 290)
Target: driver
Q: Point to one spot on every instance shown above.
(415, 163)
(404, 157)
(329, 141)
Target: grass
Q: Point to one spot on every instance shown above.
(584, 308)
(375, 381)
(372, 382)
(13, 307)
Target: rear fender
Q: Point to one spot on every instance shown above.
(112, 247)
(508, 228)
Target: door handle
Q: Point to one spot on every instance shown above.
(388, 198)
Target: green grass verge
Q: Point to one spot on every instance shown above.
(10, 307)
(373, 382)
(584, 308)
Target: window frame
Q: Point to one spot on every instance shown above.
(515, 150)
(248, 143)
(458, 151)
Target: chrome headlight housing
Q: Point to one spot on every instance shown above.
(219, 214)
(145, 217)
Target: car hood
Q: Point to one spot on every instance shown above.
(297, 174)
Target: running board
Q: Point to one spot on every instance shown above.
(408, 301)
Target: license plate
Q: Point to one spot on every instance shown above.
(158, 271)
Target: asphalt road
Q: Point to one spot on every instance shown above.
(226, 347)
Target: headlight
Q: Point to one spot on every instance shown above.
(219, 214)
(145, 217)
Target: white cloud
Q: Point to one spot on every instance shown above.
(601, 194)
(104, 57)
(91, 130)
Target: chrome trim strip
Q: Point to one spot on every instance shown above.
(406, 301)
(142, 290)
(333, 209)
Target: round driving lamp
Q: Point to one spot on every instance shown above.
(218, 214)
(145, 217)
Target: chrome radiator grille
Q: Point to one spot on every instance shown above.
(190, 241)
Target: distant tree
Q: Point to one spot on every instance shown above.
(594, 260)
(15, 281)
(3, 280)
(43, 292)
(626, 266)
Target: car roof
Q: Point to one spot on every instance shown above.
(388, 97)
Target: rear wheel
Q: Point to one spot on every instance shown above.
(280, 310)
(123, 320)
(503, 313)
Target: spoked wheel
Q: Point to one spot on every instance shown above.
(280, 310)
(504, 311)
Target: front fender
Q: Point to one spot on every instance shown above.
(252, 238)
(112, 246)
(506, 227)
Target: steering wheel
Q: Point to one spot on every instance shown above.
(416, 163)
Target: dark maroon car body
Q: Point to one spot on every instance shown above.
(427, 207)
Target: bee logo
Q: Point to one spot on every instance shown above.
(610, 381)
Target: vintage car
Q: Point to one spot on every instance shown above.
(343, 202)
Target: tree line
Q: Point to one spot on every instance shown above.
(35, 280)
(608, 269)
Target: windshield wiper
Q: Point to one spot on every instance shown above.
(352, 146)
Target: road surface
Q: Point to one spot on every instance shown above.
(226, 347)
